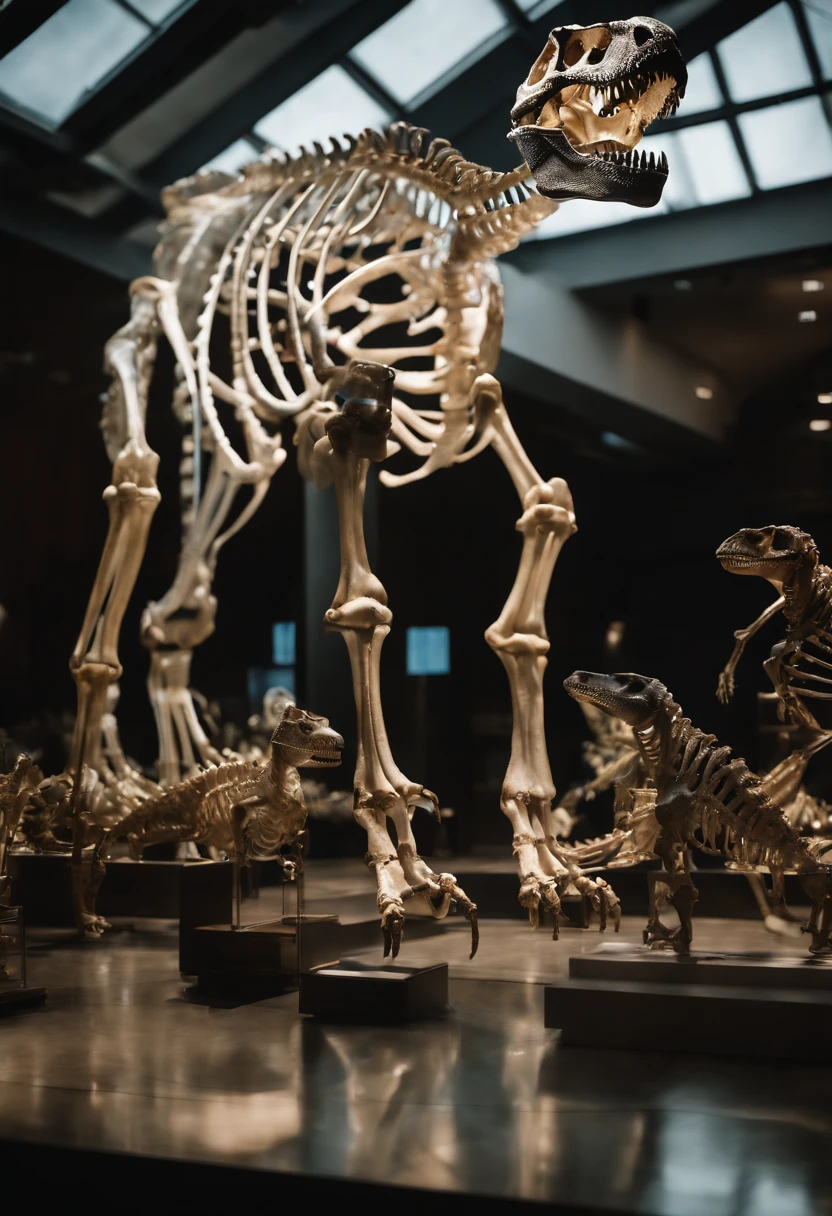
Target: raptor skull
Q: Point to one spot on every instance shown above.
(635, 699)
(588, 99)
(773, 553)
(306, 740)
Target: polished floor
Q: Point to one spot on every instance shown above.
(484, 1101)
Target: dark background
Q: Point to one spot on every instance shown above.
(649, 522)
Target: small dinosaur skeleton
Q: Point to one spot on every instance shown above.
(248, 810)
(272, 288)
(705, 800)
(800, 665)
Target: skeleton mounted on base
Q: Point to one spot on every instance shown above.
(704, 800)
(280, 267)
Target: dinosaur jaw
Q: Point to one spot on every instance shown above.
(586, 105)
(627, 696)
(322, 760)
(764, 567)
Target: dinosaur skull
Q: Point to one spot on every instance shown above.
(306, 740)
(634, 699)
(771, 553)
(588, 100)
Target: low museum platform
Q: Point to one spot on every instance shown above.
(123, 1076)
(763, 1005)
(373, 994)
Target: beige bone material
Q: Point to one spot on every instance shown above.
(280, 266)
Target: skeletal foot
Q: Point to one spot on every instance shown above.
(537, 890)
(93, 926)
(407, 881)
(603, 899)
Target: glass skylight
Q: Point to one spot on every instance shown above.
(50, 72)
(679, 190)
(788, 144)
(819, 18)
(703, 91)
(713, 163)
(580, 215)
(240, 153)
(536, 8)
(157, 11)
(423, 44)
(331, 104)
(765, 57)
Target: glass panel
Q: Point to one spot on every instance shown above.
(240, 153)
(158, 11)
(679, 191)
(581, 215)
(765, 57)
(50, 72)
(426, 40)
(703, 91)
(789, 143)
(713, 162)
(536, 8)
(283, 643)
(428, 650)
(330, 104)
(819, 16)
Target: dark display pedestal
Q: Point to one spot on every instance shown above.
(360, 992)
(15, 992)
(13, 997)
(193, 892)
(764, 1006)
(260, 959)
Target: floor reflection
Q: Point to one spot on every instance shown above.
(485, 1100)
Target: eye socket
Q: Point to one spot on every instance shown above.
(635, 685)
(782, 539)
(642, 35)
(306, 728)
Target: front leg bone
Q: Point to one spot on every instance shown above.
(359, 612)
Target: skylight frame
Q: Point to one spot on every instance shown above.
(55, 123)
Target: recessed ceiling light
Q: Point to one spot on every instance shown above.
(813, 285)
(808, 314)
(820, 424)
(682, 284)
(703, 392)
(824, 398)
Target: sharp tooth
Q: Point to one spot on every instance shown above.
(651, 163)
(663, 163)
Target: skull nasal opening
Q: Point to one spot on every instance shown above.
(642, 35)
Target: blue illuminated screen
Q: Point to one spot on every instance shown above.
(283, 643)
(428, 650)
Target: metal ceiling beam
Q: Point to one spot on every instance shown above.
(74, 237)
(318, 51)
(22, 18)
(202, 31)
(775, 222)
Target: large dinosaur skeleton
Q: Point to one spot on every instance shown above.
(704, 800)
(273, 290)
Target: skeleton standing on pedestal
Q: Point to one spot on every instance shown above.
(282, 266)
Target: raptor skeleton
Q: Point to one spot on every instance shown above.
(704, 800)
(799, 664)
(278, 267)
